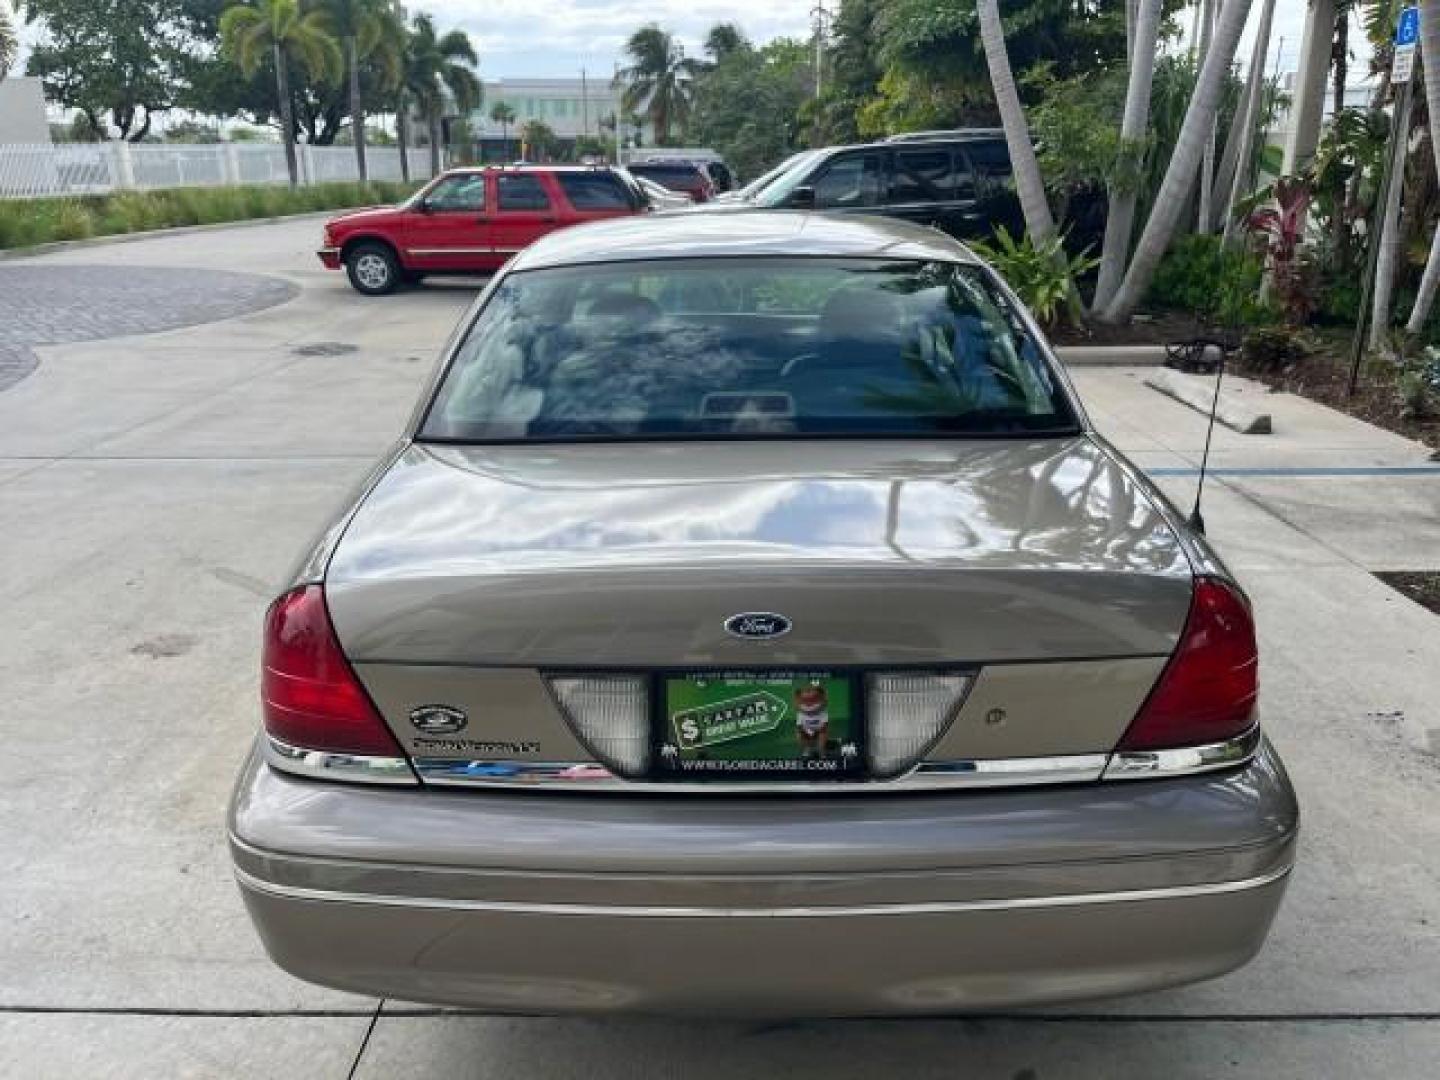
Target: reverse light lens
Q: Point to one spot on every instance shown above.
(611, 716)
(906, 713)
(1208, 690)
(310, 695)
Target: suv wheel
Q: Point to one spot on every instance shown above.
(373, 269)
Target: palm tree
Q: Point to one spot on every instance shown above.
(1029, 186)
(284, 33)
(1172, 199)
(1430, 55)
(1120, 221)
(9, 43)
(435, 65)
(725, 39)
(658, 80)
(369, 30)
(503, 115)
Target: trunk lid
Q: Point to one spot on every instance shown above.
(635, 555)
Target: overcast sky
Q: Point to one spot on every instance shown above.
(518, 38)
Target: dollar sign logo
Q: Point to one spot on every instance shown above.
(689, 730)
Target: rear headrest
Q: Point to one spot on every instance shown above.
(626, 307)
(862, 314)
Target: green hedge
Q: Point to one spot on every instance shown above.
(27, 222)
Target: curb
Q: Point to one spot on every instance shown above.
(150, 234)
(1110, 355)
(1198, 393)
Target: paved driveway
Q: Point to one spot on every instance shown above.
(153, 490)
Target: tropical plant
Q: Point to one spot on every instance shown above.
(538, 140)
(748, 105)
(436, 65)
(658, 80)
(1280, 226)
(9, 43)
(1171, 199)
(369, 31)
(283, 33)
(503, 115)
(1041, 274)
(1273, 350)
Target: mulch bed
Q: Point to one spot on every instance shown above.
(1154, 328)
(1324, 378)
(1422, 586)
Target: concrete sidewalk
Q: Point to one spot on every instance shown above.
(153, 491)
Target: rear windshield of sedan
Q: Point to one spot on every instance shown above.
(668, 174)
(746, 348)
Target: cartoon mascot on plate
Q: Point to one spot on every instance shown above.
(812, 720)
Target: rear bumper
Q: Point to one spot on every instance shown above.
(764, 907)
(330, 256)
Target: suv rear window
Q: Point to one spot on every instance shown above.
(521, 191)
(746, 348)
(594, 191)
(668, 174)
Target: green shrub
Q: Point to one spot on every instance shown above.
(1198, 275)
(1272, 350)
(27, 222)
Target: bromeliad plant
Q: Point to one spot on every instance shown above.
(1040, 275)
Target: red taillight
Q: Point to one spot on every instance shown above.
(1207, 692)
(311, 696)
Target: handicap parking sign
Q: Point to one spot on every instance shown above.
(1407, 30)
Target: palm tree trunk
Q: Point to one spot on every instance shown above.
(1389, 215)
(1430, 55)
(1250, 116)
(1172, 198)
(1028, 183)
(402, 132)
(1120, 221)
(1207, 160)
(287, 113)
(357, 107)
(434, 142)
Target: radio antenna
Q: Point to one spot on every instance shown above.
(1197, 520)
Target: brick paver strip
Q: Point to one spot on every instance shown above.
(52, 305)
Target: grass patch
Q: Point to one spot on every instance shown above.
(28, 222)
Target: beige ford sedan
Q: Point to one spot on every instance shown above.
(751, 622)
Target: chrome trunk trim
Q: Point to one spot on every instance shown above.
(927, 776)
(1183, 761)
(943, 907)
(324, 765)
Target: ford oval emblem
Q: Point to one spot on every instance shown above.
(438, 719)
(757, 625)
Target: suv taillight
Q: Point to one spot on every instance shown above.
(1207, 692)
(310, 695)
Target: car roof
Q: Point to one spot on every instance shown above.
(529, 166)
(697, 233)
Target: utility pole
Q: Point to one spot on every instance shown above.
(819, 15)
(584, 105)
(615, 88)
(1382, 241)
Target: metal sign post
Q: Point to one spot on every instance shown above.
(1402, 68)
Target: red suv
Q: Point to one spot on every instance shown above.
(471, 221)
(687, 177)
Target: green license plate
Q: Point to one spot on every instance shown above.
(759, 725)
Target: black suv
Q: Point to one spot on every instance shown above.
(960, 182)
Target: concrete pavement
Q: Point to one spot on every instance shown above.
(153, 490)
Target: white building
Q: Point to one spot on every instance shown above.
(571, 107)
(22, 112)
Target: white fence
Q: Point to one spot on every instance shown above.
(95, 168)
